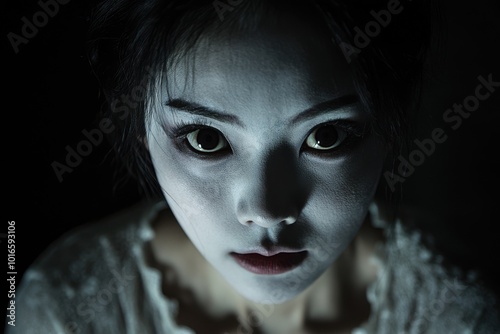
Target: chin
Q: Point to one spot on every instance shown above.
(266, 297)
(277, 291)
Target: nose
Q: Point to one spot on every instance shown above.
(251, 213)
(273, 192)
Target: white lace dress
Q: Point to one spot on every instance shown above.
(96, 280)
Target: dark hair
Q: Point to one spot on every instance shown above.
(130, 41)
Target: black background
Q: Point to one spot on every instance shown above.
(50, 96)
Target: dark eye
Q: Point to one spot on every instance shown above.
(206, 140)
(325, 137)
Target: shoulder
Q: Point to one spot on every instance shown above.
(85, 274)
(418, 291)
(103, 243)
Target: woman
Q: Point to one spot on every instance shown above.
(265, 127)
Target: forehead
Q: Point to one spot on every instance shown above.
(284, 66)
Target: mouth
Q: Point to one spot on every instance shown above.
(269, 264)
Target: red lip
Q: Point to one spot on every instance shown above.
(270, 265)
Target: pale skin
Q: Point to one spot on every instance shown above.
(266, 180)
(336, 302)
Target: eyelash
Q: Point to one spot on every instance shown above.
(355, 132)
(182, 128)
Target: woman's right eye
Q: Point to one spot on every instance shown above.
(206, 141)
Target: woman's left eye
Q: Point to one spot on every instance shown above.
(326, 137)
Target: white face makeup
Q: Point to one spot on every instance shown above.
(261, 146)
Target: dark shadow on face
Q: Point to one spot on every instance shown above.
(286, 191)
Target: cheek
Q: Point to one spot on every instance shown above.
(197, 197)
(196, 193)
(344, 188)
(195, 202)
(358, 173)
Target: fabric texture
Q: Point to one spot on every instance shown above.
(95, 279)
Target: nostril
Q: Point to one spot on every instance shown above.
(246, 222)
(268, 222)
(255, 214)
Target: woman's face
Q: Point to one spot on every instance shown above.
(262, 148)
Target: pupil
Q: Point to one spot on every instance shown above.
(207, 139)
(326, 136)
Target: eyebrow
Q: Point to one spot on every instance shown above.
(198, 109)
(326, 107)
(312, 112)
